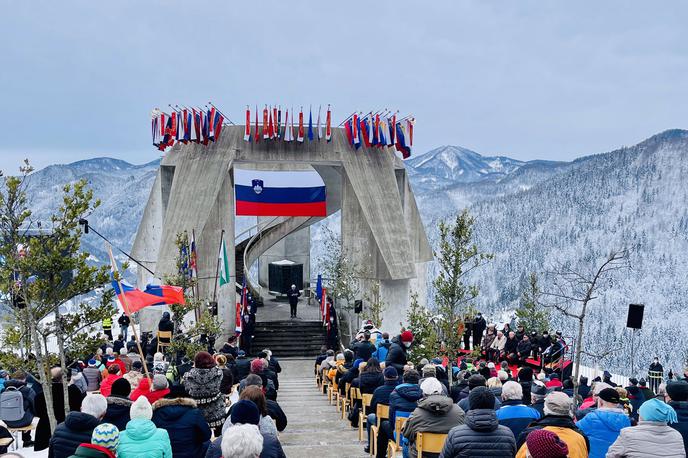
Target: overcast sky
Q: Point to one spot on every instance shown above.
(529, 79)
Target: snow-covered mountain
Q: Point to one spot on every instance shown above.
(531, 215)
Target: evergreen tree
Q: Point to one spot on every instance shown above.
(530, 313)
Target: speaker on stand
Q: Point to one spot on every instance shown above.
(634, 321)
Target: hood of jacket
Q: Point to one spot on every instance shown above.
(409, 391)
(18, 384)
(140, 429)
(385, 344)
(611, 419)
(118, 401)
(482, 420)
(437, 404)
(171, 410)
(79, 421)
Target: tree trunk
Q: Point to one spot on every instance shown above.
(576, 372)
(63, 360)
(44, 376)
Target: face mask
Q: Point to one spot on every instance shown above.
(407, 344)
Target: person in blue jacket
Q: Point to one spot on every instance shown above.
(513, 413)
(603, 425)
(402, 401)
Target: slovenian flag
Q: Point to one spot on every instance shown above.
(279, 193)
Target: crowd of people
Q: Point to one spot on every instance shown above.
(499, 404)
(211, 404)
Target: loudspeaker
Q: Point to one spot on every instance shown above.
(358, 306)
(635, 316)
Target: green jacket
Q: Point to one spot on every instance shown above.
(143, 438)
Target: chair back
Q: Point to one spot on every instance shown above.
(381, 413)
(167, 335)
(429, 442)
(366, 399)
(398, 426)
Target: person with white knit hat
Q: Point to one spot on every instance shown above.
(142, 437)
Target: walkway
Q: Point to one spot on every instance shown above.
(274, 310)
(315, 428)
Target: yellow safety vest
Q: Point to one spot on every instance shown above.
(107, 323)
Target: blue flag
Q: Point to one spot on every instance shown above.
(319, 288)
(310, 124)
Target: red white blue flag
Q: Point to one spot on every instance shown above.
(300, 136)
(328, 125)
(247, 127)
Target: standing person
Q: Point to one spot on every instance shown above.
(482, 435)
(467, 331)
(652, 437)
(333, 327)
(677, 397)
(203, 385)
(397, 355)
(107, 327)
(603, 425)
(166, 325)
(655, 374)
(293, 296)
(479, 325)
(123, 321)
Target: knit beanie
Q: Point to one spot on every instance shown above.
(678, 391)
(121, 387)
(476, 380)
(106, 435)
(245, 412)
(160, 382)
(92, 363)
(429, 370)
(257, 366)
(542, 443)
(141, 409)
(431, 386)
(656, 410)
(390, 373)
(407, 336)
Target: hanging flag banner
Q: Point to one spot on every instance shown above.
(279, 193)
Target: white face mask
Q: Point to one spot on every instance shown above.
(407, 344)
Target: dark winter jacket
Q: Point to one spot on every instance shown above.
(511, 345)
(681, 409)
(435, 414)
(277, 414)
(404, 398)
(227, 381)
(636, 398)
(165, 324)
(466, 407)
(554, 421)
(203, 385)
(93, 377)
(271, 448)
(382, 393)
(482, 435)
(516, 416)
(42, 439)
(396, 357)
(118, 412)
(293, 296)
(369, 381)
(584, 390)
(274, 365)
(364, 350)
(75, 430)
(189, 432)
(243, 367)
(28, 399)
(523, 348)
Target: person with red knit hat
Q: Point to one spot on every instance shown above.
(542, 443)
(397, 354)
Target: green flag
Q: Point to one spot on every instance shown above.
(224, 267)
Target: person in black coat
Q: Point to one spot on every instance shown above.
(119, 404)
(229, 347)
(364, 349)
(479, 326)
(467, 331)
(333, 326)
(511, 346)
(293, 296)
(77, 427)
(75, 396)
(123, 321)
(243, 366)
(481, 435)
(397, 355)
(404, 399)
(523, 350)
(18, 382)
(677, 393)
(166, 324)
(179, 415)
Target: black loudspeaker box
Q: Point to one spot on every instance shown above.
(635, 316)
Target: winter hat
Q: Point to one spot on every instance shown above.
(656, 410)
(609, 395)
(137, 365)
(159, 382)
(407, 336)
(633, 381)
(554, 384)
(431, 386)
(390, 373)
(606, 374)
(479, 398)
(357, 363)
(642, 382)
(599, 386)
(678, 391)
(141, 409)
(204, 360)
(558, 403)
(475, 381)
(525, 374)
(245, 412)
(92, 363)
(490, 365)
(257, 366)
(538, 389)
(121, 387)
(3, 373)
(111, 359)
(429, 370)
(106, 435)
(423, 362)
(542, 443)
(340, 356)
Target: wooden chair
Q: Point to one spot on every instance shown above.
(15, 432)
(381, 413)
(167, 335)
(345, 399)
(430, 443)
(334, 388)
(394, 446)
(363, 415)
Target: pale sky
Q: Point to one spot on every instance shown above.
(528, 79)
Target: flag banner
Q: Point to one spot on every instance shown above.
(271, 127)
(319, 287)
(219, 119)
(133, 299)
(279, 122)
(410, 124)
(224, 264)
(211, 124)
(324, 309)
(257, 133)
(356, 127)
(265, 123)
(299, 138)
(288, 129)
(237, 319)
(275, 128)
(193, 257)
(197, 126)
(349, 133)
(279, 193)
(401, 145)
(247, 128)
(310, 125)
(320, 132)
(328, 125)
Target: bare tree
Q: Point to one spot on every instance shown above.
(573, 291)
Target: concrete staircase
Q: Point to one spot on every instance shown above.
(292, 338)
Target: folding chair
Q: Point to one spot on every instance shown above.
(394, 446)
(381, 413)
(363, 415)
(429, 442)
(167, 335)
(345, 399)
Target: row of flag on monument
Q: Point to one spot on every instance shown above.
(273, 127)
(379, 131)
(186, 125)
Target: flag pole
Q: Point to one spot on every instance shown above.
(125, 306)
(194, 254)
(217, 266)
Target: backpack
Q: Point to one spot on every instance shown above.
(11, 405)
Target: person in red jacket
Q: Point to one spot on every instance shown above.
(115, 360)
(106, 384)
(160, 388)
(141, 390)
